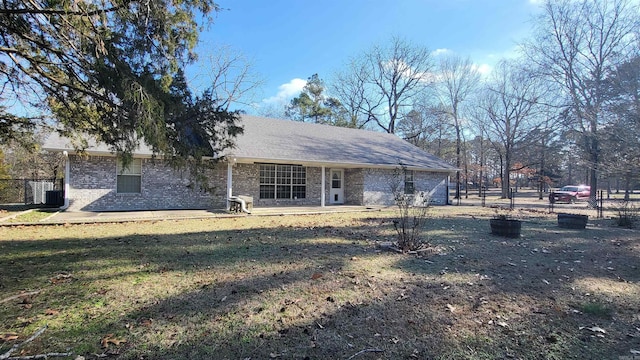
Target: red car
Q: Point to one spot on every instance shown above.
(570, 193)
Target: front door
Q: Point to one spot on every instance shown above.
(336, 192)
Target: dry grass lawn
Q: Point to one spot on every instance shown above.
(318, 287)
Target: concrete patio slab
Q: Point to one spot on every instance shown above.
(80, 217)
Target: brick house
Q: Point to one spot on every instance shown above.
(277, 162)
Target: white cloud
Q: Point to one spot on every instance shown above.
(286, 92)
(483, 69)
(437, 52)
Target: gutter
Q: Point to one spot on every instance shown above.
(340, 164)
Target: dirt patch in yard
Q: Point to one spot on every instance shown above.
(316, 287)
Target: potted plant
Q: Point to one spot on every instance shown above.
(572, 221)
(502, 225)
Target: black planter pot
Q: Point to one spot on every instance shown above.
(506, 227)
(572, 221)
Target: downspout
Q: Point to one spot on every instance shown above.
(243, 204)
(322, 194)
(66, 180)
(448, 190)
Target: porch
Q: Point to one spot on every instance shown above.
(79, 217)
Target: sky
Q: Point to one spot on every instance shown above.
(287, 41)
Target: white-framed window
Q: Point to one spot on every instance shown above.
(130, 177)
(283, 181)
(408, 182)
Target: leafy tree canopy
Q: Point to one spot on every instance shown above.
(111, 69)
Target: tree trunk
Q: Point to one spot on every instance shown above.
(627, 185)
(458, 160)
(504, 195)
(541, 186)
(481, 182)
(594, 171)
(506, 176)
(466, 172)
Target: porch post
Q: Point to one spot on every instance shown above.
(322, 196)
(67, 172)
(229, 182)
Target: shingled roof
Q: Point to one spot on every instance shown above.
(284, 141)
(55, 142)
(268, 140)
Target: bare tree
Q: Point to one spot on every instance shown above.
(576, 44)
(622, 156)
(426, 126)
(383, 82)
(349, 87)
(511, 103)
(230, 76)
(457, 79)
(28, 160)
(480, 144)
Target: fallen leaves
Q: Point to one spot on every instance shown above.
(51, 312)
(502, 324)
(19, 296)
(599, 332)
(8, 337)
(594, 329)
(111, 339)
(61, 278)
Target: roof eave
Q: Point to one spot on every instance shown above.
(245, 160)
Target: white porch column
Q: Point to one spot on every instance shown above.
(322, 193)
(67, 172)
(229, 182)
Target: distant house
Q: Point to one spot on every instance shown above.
(277, 162)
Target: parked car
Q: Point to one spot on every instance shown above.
(570, 193)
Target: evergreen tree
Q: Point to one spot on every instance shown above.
(107, 69)
(314, 105)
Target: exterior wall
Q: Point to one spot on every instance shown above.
(354, 186)
(246, 181)
(93, 187)
(378, 183)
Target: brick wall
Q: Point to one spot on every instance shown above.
(246, 181)
(93, 187)
(354, 186)
(378, 184)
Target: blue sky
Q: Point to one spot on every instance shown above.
(290, 40)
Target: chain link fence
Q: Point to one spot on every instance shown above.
(31, 191)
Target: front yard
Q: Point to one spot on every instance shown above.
(316, 287)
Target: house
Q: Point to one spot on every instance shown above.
(277, 162)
